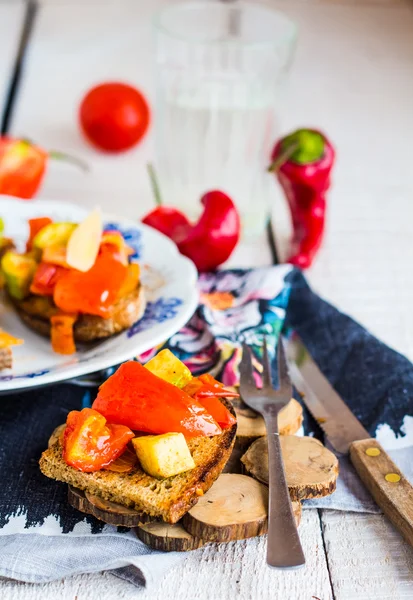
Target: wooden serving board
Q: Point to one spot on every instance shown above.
(235, 507)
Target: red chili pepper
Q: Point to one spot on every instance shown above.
(23, 165)
(210, 241)
(303, 162)
(168, 220)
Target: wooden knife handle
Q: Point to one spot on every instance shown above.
(388, 486)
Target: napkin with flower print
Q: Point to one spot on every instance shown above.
(236, 306)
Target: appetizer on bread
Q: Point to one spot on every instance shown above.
(75, 281)
(155, 439)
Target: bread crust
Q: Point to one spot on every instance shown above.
(168, 499)
(6, 358)
(88, 328)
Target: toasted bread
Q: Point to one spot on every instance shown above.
(36, 311)
(6, 358)
(167, 499)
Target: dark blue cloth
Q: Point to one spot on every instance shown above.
(375, 381)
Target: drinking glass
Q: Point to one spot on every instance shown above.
(220, 67)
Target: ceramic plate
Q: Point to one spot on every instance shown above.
(168, 277)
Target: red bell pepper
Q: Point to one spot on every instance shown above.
(303, 162)
(23, 165)
(35, 226)
(207, 391)
(55, 255)
(113, 243)
(210, 241)
(61, 333)
(93, 292)
(220, 413)
(90, 443)
(134, 397)
(45, 279)
(131, 281)
(206, 386)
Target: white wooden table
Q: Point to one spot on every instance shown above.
(353, 77)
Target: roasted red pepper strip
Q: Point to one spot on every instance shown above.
(207, 391)
(303, 162)
(89, 443)
(134, 397)
(210, 241)
(113, 244)
(45, 279)
(217, 387)
(35, 226)
(206, 386)
(94, 292)
(131, 281)
(61, 333)
(220, 413)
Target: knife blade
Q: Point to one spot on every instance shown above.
(386, 483)
(329, 410)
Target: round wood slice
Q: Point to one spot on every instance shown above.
(311, 470)
(234, 508)
(167, 537)
(109, 512)
(251, 425)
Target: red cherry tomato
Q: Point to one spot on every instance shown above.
(114, 116)
(90, 443)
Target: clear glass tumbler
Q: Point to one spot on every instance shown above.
(220, 68)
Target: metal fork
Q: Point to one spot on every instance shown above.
(283, 547)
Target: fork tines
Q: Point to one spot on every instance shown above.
(284, 381)
(247, 381)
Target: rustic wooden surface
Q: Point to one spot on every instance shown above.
(353, 76)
